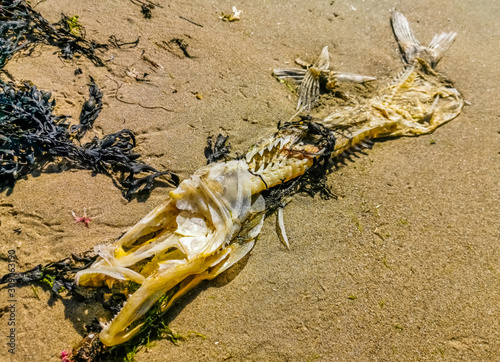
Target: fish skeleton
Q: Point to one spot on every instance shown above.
(213, 218)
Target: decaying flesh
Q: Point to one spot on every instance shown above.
(213, 218)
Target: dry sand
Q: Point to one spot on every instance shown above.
(403, 266)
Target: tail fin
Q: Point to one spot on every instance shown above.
(439, 44)
(411, 48)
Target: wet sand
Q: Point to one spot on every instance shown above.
(404, 265)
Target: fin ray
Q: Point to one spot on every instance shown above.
(324, 59)
(440, 44)
(293, 73)
(354, 78)
(410, 47)
(408, 44)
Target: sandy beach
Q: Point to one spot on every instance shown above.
(403, 265)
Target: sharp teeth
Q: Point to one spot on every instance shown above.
(251, 154)
(261, 152)
(249, 157)
(261, 168)
(270, 147)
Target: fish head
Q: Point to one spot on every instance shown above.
(206, 225)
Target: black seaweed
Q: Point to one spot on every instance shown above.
(181, 44)
(31, 136)
(120, 44)
(28, 131)
(21, 27)
(57, 275)
(217, 151)
(146, 11)
(146, 7)
(24, 278)
(90, 111)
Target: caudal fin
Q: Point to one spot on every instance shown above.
(439, 44)
(411, 48)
